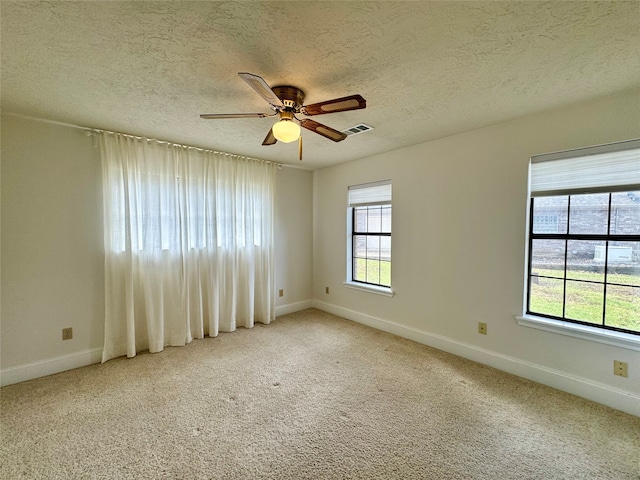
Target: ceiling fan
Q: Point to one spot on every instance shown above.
(286, 102)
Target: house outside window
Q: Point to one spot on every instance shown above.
(583, 264)
(369, 236)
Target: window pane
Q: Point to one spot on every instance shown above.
(385, 274)
(625, 213)
(360, 246)
(360, 269)
(546, 296)
(374, 219)
(547, 258)
(624, 263)
(589, 213)
(584, 301)
(385, 248)
(361, 220)
(583, 260)
(623, 307)
(373, 247)
(550, 214)
(386, 219)
(373, 271)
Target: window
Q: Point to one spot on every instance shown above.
(371, 236)
(369, 221)
(161, 211)
(584, 237)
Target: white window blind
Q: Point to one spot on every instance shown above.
(377, 193)
(612, 167)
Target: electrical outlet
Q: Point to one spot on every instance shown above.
(482, 328)
(620, 368)
(281, 293)
(67, 333)
(326, 290)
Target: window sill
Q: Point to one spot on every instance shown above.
(386, 291)
(609, 337)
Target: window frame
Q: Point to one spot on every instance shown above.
(378, 199)
(355, 233)
(566, 237)
(628, 179)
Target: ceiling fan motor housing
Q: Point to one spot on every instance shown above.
(291, 97)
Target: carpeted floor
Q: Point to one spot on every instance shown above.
(311, 396)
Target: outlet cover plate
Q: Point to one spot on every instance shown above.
(620, 368)
(67, 333)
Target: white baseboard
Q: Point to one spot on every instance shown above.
(21, 373)
(582, 387)
(293, 307)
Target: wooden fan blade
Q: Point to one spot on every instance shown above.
(300, 148)
(262, 87)
(269, 139)
(213, 116)
(352, 102)
(323, 130)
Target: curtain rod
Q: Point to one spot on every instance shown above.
(93, 131)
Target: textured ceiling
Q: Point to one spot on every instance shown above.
(426, 69)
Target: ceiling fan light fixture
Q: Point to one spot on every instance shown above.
(286, 131)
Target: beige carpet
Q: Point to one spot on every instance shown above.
(311, 396)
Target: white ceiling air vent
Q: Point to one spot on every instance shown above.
(360, 128)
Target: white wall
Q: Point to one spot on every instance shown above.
(294, 239)
(459, 207)
(52, 260)
(52, 247)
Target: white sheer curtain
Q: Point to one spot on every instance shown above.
(188, 243)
